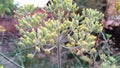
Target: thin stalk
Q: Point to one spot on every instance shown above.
(59, 56)
(10, 60)
(106, 42)
(2, 36)
(59, 50)
(81, 66)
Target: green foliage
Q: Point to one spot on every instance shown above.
(1, 67)
(109, 62)
(6, 7)
(25, 10)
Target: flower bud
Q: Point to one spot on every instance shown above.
(49, 26)
(44, 30)
(83, 49)
(28, 42)
(54, 34)
(40, 38)
(25, 36)
(48, 36)
(17, 27)
(43, 42)
(61, 27)
(30, 56)
(78, 43)
(32, 34)
(35, 41)
(92, 37)
(22, 40)
(76, 31)
(68, 45)
(22, 31)
(70, 38)
(28, 38)
(37, 48)
(47, 51)
(68, 1)
(29, 26)
(39, 17)
(21, 44)
(52, 41)
(72, 43)
(32, 21)
(39, 32)
(92, 43)
(75, 36)
(80, 40)
(83, 27)
(84, 43)
(93, 50)
(64, 32)
(36, 20)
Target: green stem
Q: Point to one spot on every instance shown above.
(10, 60)
(106, 42)
(2, 36)
(59, 56)
(81, 66)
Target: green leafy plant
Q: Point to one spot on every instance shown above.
(64, 30)
(25, 10)
(109, 62)
(6, 7)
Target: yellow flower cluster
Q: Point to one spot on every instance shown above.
(93, 50)
(2, 29)
(59, 28)
(21, 44)
(30, 56)
(47, 51)
(37, 48)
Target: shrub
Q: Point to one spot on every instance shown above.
(6, 7)
(65, 29)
